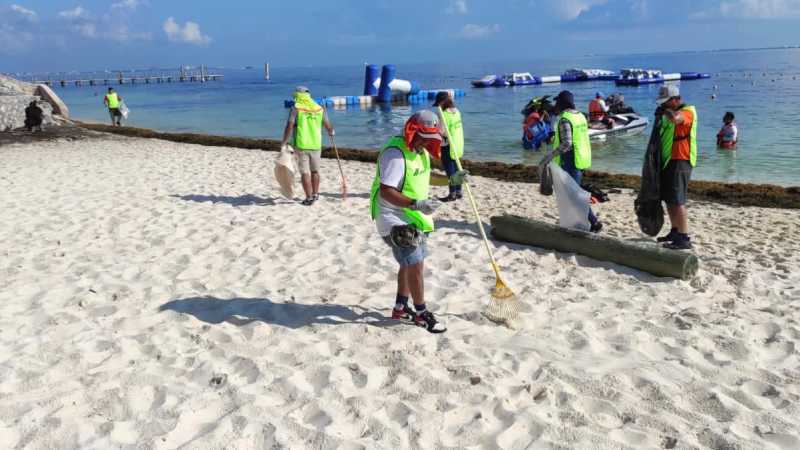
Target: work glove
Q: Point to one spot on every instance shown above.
(459, 178)
(332, 133)
(425, 206)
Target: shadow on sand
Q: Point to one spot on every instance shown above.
(242, 311)
(242, 200)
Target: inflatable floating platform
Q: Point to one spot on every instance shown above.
(383, 88)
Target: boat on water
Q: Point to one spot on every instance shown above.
(637, 77)
(490, 81)
(509, 79)
(624, 124)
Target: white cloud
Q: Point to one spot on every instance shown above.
(24, 12)
(189, 33)
(77, 13)
(761, 9)
(126, 4)
(751, 9)
(568, 9)
(473, 31)
(457, 7)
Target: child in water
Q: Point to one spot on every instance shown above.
(729, 134)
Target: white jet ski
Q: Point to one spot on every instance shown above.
(624, 124)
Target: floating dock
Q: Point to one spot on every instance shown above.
(179, 76)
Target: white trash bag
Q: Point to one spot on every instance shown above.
(123, 109)
(285, 170)
(572, 200)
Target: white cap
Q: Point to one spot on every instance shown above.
(667, 92)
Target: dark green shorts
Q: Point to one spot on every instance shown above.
(675, 182)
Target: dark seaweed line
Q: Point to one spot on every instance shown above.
(736, 194)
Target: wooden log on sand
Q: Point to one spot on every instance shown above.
(645, 257)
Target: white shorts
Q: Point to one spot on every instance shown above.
(308, 160)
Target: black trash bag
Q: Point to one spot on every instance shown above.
(649, 212)
(545, 178)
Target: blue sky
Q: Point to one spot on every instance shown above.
(56, 35)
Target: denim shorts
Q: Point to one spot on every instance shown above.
(408, 256)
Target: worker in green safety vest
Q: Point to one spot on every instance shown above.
(304, 127)
(572, 145)
(453, 143)
(677, 125)
(112, 100)
(400, 206)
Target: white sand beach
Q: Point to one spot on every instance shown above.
(156, 295)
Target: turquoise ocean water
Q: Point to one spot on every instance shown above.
(761, 87)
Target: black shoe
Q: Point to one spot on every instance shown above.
(429, 322)
(403, 314)
(315, 197)
(308, 202)
(458, 196)
(671, 236)
(680, 243)
(596, 227)
(449, 198)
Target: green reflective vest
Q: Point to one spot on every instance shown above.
(113, 100)
(455, 133)
(667, 133)
(416, 182)
(580, 139)
(308, 131)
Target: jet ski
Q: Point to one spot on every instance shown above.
(624, 124)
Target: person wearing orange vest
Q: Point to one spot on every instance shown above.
(305, 123)
(112, 100)
(677, 125)
(598, 111)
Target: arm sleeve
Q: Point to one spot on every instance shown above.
(393, 168)
(565, 133)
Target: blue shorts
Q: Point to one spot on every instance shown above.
(408, 256)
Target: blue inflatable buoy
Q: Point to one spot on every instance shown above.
(370, 75)
(387, 76)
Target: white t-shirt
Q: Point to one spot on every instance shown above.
(393, 172)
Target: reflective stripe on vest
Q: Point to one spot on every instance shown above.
(595, 110)
(416, 183)
(580, 139)
(668, 138)
(455, 132)
(113, 100)
(308, 134)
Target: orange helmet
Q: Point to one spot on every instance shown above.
(424, 124)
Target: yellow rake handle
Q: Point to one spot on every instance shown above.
(480, 227)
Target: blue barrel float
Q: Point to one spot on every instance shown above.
(387, 76)
(370, 75)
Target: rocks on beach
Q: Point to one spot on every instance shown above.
(16, 95)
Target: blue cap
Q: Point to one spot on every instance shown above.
(599, 94)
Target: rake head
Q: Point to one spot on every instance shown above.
(504, 306)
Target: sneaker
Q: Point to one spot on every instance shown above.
(403, 314)
(671, 236)
(449, 198)
(679, 244)
(315, 197)
(596, 227)
(308, 201)
(459, 196)
(427, 321)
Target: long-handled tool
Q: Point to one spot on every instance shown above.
(504, 305)
(341, 171)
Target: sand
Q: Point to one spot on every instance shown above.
(161, 295)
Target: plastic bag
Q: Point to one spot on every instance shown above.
(572, 201)
(545, 179)
(285, 170)
(123, 109)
